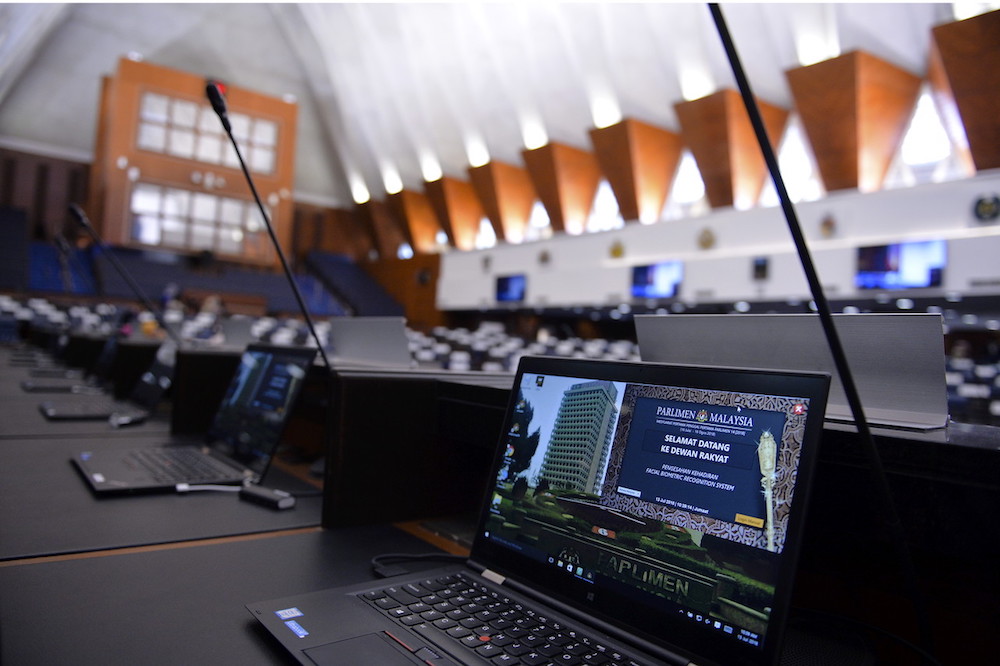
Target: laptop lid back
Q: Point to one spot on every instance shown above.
(251, 419)
(914, 394)
(665, 500)
(370, 340)
(154, 383)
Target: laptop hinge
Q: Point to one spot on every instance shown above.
(493, 576)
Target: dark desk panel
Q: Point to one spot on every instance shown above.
(47, 509)
(178, 605)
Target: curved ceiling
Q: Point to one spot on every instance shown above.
(395, 93)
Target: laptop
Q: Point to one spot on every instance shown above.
(913, 395)
(65, 383)
(379, 341)
(142, 401)
(239, 445)
(643, 513)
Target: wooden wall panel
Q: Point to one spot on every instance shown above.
(507, 196)
(415, 211)
(331, 230)
(389, 232)
(718, 132)
(566, 179)
(855, 109)
(412, 282)
(639, 161)
(122, 162)
(458, 208)
(43, 187)
(965, 73)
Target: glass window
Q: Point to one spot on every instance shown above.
(265, 133)
(181, 143)
(146, 199)
(204, 207)
(183, 113)
(152, 137)
(154, 108)
(209, 149)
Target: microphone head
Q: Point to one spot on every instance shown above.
(217, 101)
(80, 216)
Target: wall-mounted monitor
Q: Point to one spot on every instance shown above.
(659, 280)
(759, 269)
(908, 265)
(511, 288)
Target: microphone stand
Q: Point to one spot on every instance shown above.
(892, 520)
(84, 221)
(219, 105)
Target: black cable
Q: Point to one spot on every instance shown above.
(877, 469)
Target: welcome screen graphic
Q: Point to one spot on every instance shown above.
(702, 460)
(720, 463)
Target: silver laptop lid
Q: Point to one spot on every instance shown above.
(897, 359)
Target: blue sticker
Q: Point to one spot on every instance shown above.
(296, 628)
(288, 613)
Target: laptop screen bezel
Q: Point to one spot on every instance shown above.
(705, 644)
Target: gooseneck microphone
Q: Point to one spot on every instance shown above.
(892, 520)
(219, 106)
(84, 221)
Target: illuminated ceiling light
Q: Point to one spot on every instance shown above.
(430, 167)
(486, 237)
(539, 225)
(813, 47)
(604, 110)
(391, 179)
(688, 187)
(696, 82)
(476, 151)
(648, 216)
(965, 10)
(533, 133)
(605, 214)
(925, 141)
(359, 191)
(815, 34)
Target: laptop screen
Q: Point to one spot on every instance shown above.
(666, 495)
(251, 419)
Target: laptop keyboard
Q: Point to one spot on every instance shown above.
(180, 465)
(498, 629)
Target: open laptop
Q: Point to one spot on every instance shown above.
(91, 383)
(642, 511)
(377, 341)
(239, 445)
(147, 393)
(897, 359)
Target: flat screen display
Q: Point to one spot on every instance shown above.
(910, 265)
(511, 288)
(659, 280)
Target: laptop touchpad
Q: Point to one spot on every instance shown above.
(368, 649)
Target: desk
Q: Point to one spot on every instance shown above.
(47, 509)
(178, 605)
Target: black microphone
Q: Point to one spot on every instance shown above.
(892, 519)
(219, 105)
(84, 221)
